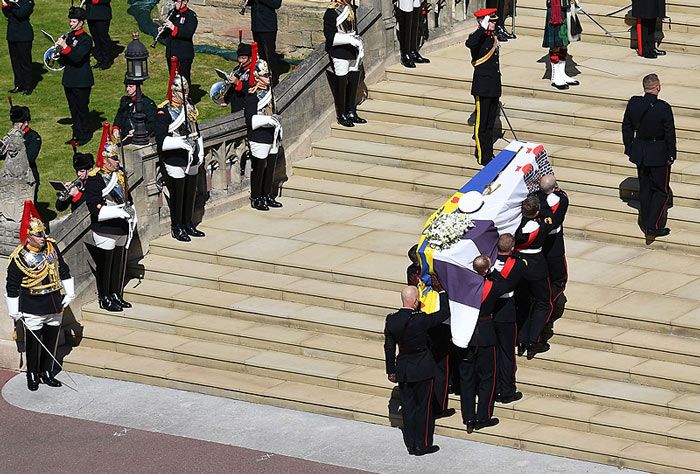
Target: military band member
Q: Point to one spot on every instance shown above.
(20, 35)
(649, 135)
(648, 13)
(486, 82)
(74, 196)
(414, 367)
(180, 29)
(123, 126)
(77, 75)
(346, 50)
(113, 221)
(556, 38)
(181, 152)
(36, 274)
(263, 24)
(99, 16)
(264, 136)
(408, 17)
(240, 78)
(20, 116)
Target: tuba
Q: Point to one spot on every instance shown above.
(52, 55)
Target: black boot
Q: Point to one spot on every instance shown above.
(116, 279)
(32, 352)
(49, 336)
(415, 55)
(103, 264)
(257, 177)
(272, 202)
(47, 378)
(339, 85)
(404, 21)
(176, 187)
(351, 97)
(32, 381)
(260, 204)
(190, 198)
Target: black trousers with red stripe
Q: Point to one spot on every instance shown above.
(440, 346)
(558, 275)
(417, 413)
(653, 195)
(478, 377)
(506, 366)
(646, 35)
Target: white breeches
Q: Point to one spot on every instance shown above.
(108, 241)
(178, 172)
(341, 66)
(36, 321)
(260, 150)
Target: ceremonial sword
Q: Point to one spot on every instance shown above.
(599, 25)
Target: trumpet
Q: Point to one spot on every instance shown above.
(169, 9)
(76, 183)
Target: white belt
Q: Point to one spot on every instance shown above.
(507, 295)
(530, 250)
(555, 231)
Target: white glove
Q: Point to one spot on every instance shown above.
(13, 307)
(258, 121)
(200, 150)
(485, 22)
(112, 212)
(278, 119)
(69, 286)
(176, 143)
(340, 39)
(356, 41)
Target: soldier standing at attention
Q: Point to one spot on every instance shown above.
(99, 16)
(649, 135)
(20, 35)
(486, 82)
(182, 25)
(647, 13)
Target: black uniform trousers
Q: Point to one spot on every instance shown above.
(417, 413)
(21, 58)
(184, 66)
(653, 195)
(486, 112)
(646, 35)
(558, 275)
(440, 346)
(79, 105)
(537, 287)
(478, 377)
(499, 5)
(507, 339)
(267, 46)
(37, 358)
(99, 29)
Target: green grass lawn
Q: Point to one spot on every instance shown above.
(50, 115)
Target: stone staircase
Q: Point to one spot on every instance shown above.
(287, 307)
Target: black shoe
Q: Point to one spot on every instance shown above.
(510, 398)
(659, 232)
(651, 55)
(562, 87)
(407, 61)
(345, 121)
(470, 426)
(27, 91)
(418, 59)
(15, 90)
(192, 231)
(429, 450)
(105, 66)
(107, 303)
(445, 413)
(97, 65)
(412, 451)
(659, 52)
(47, 378)
(259, 204)
(272, 202)
(352, 115)
(480, 425)
(120, 301)
(536, 348)
(521, 349)
(32, 381)
(179, 233)
(501, 36)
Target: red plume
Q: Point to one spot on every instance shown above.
(74, 145)
(253, 62)
(173, 71)
(29, 212)
(9, 99)
(240, 36)
(100, 159)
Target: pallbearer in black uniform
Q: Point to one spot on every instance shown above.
(486, 82)
(264, 129)
(649, 135)
(414, 368)
(36, 274)
(508, 271)
(346, 50)
(181, 151)
(180, 29)
(407, 17)
(239, 79)
(20, 35)
(123, 126)
(20, 116)
(113, 222)
(99, 16)
(648, 12)
(74, 195)
(77, 75)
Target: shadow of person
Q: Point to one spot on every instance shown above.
(38, 72)
(547, 66)
(47, 214)
(571, 67)
(95, 120)
(196, 93)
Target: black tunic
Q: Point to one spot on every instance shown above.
(344, 51)
(649, 8)
(486, 81)
(178, 42)
(179, 157)
(93, 197)
(19, 29)
(236, 94)
(99, 10)
(73, 202)
(76, 58)
(127, 108)
(261, 134)
(263, 15)
(653, 141)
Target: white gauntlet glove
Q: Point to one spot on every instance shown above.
(69, 286)
(176, 143)
(259, 120)
(13, 307)
(485, 22)
(112, 212)
(340, 39)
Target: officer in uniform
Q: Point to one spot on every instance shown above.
(21, 117)
(123, 126)
(529, 239)
(649, 135)
(346, 50)
(20, 35)
(36, 274)
(239, 78)
(181, 27)
(263, 24)
(486, 82)
(408, 17)
(181, 151)
(99, 16)
(508, 271)
(82, 164)
(414, 368)
(77, 75)
(264, 135)
(647, 13)
(113, 221)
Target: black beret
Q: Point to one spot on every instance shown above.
(83, 161)
(19, 114)
(245, 49)
(77, 13)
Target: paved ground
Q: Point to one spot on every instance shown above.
(110, 426)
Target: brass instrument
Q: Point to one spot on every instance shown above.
(218, 90)
(52, 55)
(165, 12)
(76, 183)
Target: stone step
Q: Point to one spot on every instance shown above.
(368, 408)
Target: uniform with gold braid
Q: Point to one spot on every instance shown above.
(36, 274)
